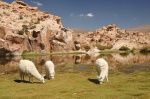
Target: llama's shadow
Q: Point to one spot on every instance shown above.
(24, 81)
(19, 81)
(93, 80)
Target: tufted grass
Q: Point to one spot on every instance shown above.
(78, 84)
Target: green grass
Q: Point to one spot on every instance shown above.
(27, 53)
(108, 51)
(78, 84)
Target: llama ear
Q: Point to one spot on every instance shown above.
(97, 76)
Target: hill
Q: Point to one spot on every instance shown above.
(77, 30)
(145, 28)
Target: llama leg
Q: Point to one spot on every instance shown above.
(48, 75)
(101, 80)
(31, 79)
(107, 78)
(21, 76)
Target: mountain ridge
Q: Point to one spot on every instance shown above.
(144, 28)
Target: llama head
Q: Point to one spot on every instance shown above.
(52, 75)
(42, 80)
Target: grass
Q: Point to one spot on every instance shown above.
(26, 53)
(78, 84)
(108, 51)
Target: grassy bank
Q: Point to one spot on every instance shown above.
(78, 84)
(53, 53)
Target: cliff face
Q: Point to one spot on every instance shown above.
(26, 28)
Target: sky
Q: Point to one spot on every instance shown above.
(94, 14)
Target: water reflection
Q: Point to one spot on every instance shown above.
(9, 64)
(71, 61)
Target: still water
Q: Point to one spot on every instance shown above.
(126, 63)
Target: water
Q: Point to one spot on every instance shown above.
(126, 63)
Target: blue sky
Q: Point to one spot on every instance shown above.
(94, 14)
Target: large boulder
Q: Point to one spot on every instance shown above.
(62, 41)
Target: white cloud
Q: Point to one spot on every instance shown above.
(86, 15)
(82, 15)
(90, 15)
(37, 3)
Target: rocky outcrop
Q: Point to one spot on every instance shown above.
(26, 28)
(62, 41)
(114, 37)
(11, 43)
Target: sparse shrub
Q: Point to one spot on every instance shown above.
(124, 48)
(33, 27)
(101, 47)
(25, 28)
(125, 53)
(21, 32)
(133, 50)
(25, 51)
(144, 50)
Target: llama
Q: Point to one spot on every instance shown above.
(50, 72)
(102, 69)
(28, 67)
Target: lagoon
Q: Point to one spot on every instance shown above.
(125, 63)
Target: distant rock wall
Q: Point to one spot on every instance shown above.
(113, 36)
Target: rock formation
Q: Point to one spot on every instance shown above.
(25, 28)
(114, 37)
